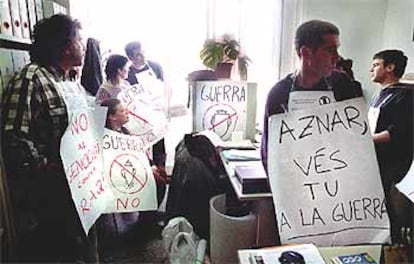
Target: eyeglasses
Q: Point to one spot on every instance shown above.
(291, 257)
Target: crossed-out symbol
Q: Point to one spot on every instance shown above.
(220, 118)
(144, 125)
(128, 174)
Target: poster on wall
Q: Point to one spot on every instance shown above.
(220, 106)
(128, 174)
(325, 178)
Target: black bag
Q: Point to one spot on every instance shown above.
(197, 176)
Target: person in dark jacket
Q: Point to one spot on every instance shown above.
(195, 180)
(91, 77)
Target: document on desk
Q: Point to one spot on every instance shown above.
(301, 253)
(241, 155)
(406, 185)
(218, 142)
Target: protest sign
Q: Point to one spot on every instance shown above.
(128, 173)
(220, 106)
(81, 153)
(406, 185)
(325, 178)
(146, 119)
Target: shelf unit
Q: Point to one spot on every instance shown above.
(13, 56)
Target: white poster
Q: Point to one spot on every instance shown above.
(406, 185)
(146, 119)
(325, 178)
(128, 174)
(81, 153)
(220, 106)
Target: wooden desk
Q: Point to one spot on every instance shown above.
(262, 204)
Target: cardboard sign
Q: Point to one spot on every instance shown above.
(406, 185)
(128, 173)
(81, 153)
(220, 106)
(324, 176)
(146, 119)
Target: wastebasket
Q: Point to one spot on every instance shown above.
(229, 233)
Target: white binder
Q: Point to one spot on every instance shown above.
(15, 18)
(5, 20)
(39, 10)
(6, 67)
(24, 19)
(31, 9)
(18, 60)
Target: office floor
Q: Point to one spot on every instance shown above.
(151, 251)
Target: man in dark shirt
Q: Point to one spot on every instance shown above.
(316, 44)
(391, 120)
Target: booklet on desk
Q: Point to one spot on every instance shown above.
(241, 155)
(301, 253)
(362, 258)
(252, 177)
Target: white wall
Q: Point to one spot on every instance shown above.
(399, 27)
(361, 24)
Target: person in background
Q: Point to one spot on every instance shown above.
(345, 65)
(91, 77)
(391, 121)
(316, 44)
(34, 118)
(116, 230)
(116, 71)
(139, 64)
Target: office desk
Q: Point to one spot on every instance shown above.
(262, 205)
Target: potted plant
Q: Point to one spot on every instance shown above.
(220, 55)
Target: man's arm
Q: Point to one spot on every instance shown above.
(276, 103)
(382, 137)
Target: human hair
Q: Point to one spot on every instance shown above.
(113, 64)
(112, 104)
(395, 57)
(311, 34)
(131, 47)
(51, 37)
(345, 65)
